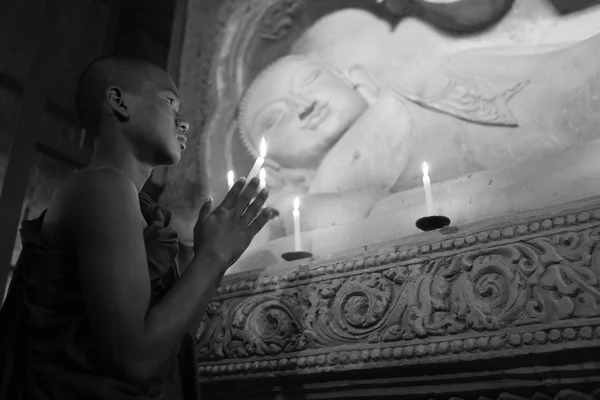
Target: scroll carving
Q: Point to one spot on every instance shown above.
(539, 281)
(477, 298)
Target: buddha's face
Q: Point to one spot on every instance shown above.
(301, 108)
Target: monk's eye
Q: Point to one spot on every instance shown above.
(170, 100)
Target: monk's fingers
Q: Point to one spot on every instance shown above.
(254, 208)
(259, 222)
(246, 196)
(274, 213)
(231, 199)
(206, 209)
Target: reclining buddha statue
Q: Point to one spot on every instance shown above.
(342, 140)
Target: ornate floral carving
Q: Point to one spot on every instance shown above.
(474, 99)
(279, 19)
(539, 281)
(342, 311)
(474, 297)
(266, 325)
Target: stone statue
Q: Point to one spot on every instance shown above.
(343, 140)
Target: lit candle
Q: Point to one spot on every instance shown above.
(230, 180)
(259, 161)
(263, 179)
(296, 214)
(427, 186)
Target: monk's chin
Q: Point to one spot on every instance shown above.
(167, 159)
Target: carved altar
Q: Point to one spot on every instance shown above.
(514, 306)
(508, 296)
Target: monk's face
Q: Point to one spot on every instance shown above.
(301, 108)
(156, 129)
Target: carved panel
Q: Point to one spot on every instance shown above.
(530, 286)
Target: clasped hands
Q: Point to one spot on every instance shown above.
(226, 231)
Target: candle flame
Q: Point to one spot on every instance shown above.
(263, 148)
(230, 176)
(425, 169)
(296, 204)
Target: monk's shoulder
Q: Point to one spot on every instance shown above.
(84, 198)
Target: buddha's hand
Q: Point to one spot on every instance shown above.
(225, 232)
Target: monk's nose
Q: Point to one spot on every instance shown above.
(182, 124)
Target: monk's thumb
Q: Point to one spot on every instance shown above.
(206, 208)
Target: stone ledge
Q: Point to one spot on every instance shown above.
(428, 245)
(526, 285)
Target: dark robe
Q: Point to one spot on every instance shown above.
(46, 350)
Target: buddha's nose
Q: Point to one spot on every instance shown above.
(302, 101)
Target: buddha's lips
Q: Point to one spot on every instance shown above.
(309, 110)
(315, 115)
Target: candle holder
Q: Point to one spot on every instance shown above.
(296, 255)
(432, 222)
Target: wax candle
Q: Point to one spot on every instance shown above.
(296, 214)
(260, 160)
(230, 182)
(263, 179)
(427, 186)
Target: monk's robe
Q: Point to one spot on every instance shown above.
(46, 349)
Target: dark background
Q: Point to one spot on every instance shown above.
(44, 46)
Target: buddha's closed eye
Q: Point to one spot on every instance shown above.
(305, 78)
(270, 119)
(310, 78)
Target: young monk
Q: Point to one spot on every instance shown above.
(98, 308)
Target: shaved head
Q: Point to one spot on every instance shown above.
(128, 74)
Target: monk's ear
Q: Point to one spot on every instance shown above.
(116, 101)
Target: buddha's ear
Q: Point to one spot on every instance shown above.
(364, 83)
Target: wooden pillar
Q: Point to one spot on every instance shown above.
(23, 149)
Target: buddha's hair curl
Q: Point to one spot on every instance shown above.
(262, 76)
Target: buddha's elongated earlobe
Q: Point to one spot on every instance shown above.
(364, 83)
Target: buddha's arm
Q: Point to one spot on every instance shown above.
(372, 153)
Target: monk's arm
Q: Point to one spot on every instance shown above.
(105, 224)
